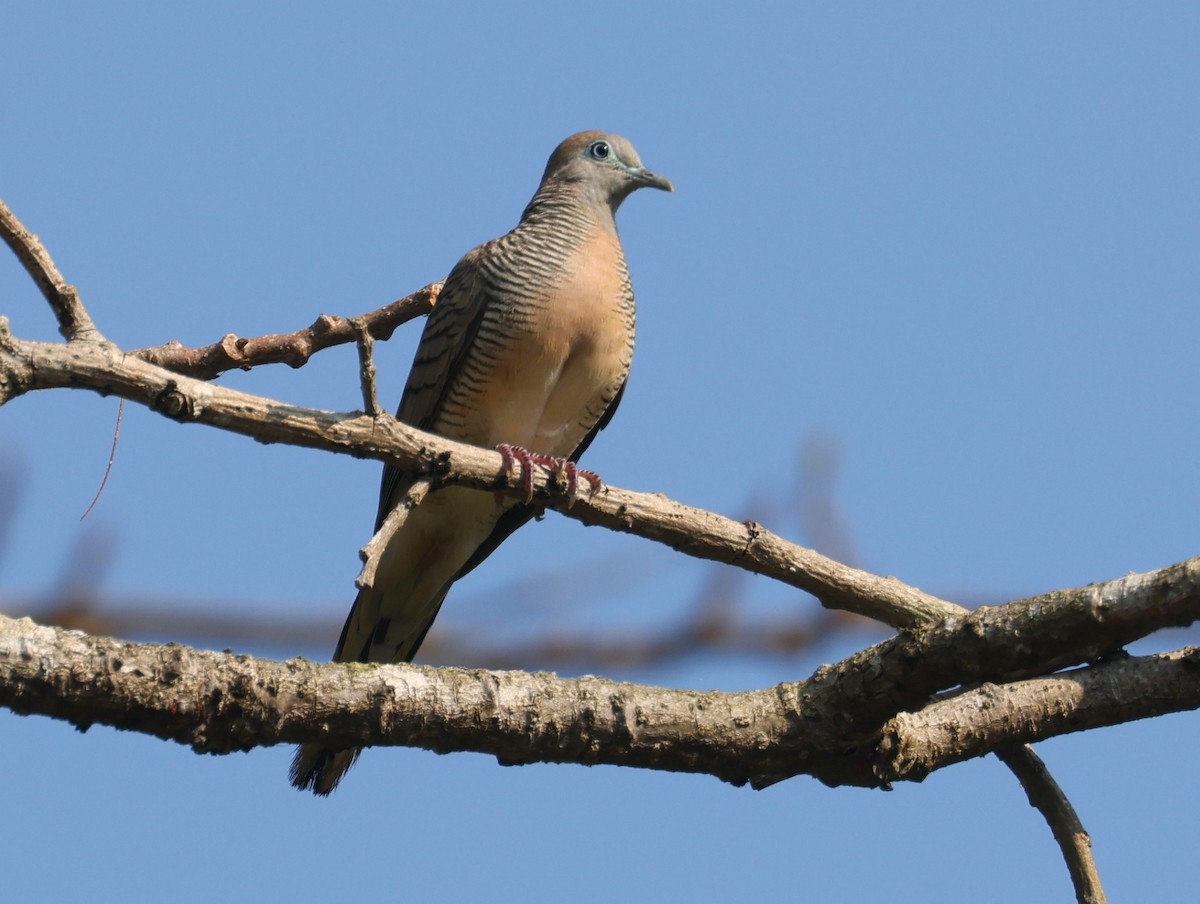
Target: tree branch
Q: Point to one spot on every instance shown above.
(373, 551)
(26, 366)
(294, 349)
(982, 719)
(366, 366)
(95, 364)
(74, 322)
(1017, 640)
(219, 703)
(1048, 799)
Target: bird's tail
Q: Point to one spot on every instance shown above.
(367, 636)
(390, 625)
(319, 769)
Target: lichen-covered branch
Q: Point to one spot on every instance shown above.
(222, 702)
(980, 719)
(1010, 642)
(218, 703)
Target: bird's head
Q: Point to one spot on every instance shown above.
(605, 163)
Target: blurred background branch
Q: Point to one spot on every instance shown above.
(719, 618)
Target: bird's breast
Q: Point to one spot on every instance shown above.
(569, 353)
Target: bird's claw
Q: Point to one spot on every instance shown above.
(525, 460)
(571, 472)
(562, 468)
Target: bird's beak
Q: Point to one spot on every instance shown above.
(643, 176)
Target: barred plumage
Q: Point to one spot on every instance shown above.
(529, 345)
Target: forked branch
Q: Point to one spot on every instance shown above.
(882, 715)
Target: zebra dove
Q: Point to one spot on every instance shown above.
(527, 349)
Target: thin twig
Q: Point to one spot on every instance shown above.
(366, 366)
(373, 551)
(74, 322)
(294, 349)
(112, 456)
(1048, 799)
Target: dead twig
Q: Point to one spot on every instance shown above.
(373, 551)
(294, 349)
(366, 366)
(74, 322)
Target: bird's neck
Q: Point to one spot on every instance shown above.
(573, 201)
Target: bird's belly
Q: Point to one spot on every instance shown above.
(583, 391)
(554, 387)
(554, 362)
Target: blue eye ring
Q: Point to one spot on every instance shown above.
(599, 150)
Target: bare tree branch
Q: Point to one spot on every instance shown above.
(1120, 689)
(26, 366)
(294, 349)
(74, 322)
(590, 716)
(1048, 799)
(1022, 638)
(875, 700)
(218, 703)
(731, 633)
(366, 366)
(373, 551)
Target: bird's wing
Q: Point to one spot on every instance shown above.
(448, 336)
(445, 349)
(600, 424)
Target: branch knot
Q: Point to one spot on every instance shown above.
(174, 403)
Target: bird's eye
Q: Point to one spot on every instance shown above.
(599, 150)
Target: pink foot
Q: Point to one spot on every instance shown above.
(525, 461)
(570, 472)
(560, 467)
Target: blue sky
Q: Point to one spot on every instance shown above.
(960, 240)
